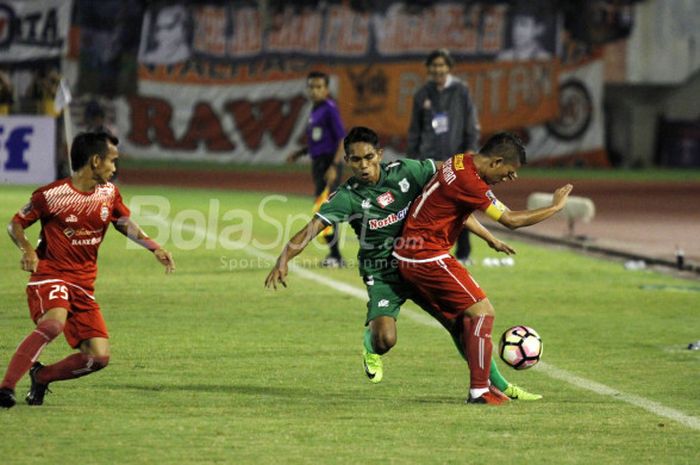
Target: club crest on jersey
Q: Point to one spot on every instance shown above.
(72, 219)
(104, 212)
(404, 185)
(387, 198)
(459, 162)
(366, 204)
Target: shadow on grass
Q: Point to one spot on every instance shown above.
(244, 389)
(351, 396)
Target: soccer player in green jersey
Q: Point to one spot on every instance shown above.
(375, 202)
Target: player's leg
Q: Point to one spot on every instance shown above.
(48, 326)
(449, 289)
(495, 376)
(84, 330)
(477, 326)
(383, 306)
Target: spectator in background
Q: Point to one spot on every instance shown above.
(6, 94)
(43, 91)
(444, 122)
(526, 34)
(165, 38)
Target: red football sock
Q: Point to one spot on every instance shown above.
(29, 350)
(477, 345)
(73, 366)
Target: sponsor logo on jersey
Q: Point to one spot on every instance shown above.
(404, 185)
(366, 204)
(369, 280)
(72, 219)
(459, 162)
(387, 198)
(383, 303)
(86, 232)
(104, 212)
(91, 241)
(69, 232)
(389, 220)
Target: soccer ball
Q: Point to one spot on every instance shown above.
(520, 347)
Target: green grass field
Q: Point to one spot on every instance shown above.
(208, 367)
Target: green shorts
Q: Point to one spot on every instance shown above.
(387, 292)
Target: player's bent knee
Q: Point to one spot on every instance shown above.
(382, 343)
(99, 362)
(50, 328)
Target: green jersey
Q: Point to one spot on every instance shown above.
(377, 212)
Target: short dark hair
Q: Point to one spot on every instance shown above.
(506, 145)
(360, 134)
(441, 52)
(319, 75)
(87, 144)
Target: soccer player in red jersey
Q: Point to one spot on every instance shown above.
(75, 214)
(460, 187)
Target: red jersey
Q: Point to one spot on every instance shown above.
(437, 215)
(73, 225)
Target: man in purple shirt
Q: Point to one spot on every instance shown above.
(324, 138)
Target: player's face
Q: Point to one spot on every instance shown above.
(104, 168)
(317, 89)
(500, 171)
(438, 70)
(363, 159)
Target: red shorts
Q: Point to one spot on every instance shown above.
(84, 316)
(444, 283)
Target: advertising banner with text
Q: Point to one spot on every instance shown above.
(225, 82)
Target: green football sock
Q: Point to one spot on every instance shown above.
(496, 377)
(368, 341)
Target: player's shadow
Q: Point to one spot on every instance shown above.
(240, 389)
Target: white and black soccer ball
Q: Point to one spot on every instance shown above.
(520, 347)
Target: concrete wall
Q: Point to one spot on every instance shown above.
(654, 74)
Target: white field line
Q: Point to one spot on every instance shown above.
(546, 368)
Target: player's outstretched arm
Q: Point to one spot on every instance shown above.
(134, 232)
(29, 260)
(293, 248)
(518, 219)
(475, 226)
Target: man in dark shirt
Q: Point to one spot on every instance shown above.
(324, 138)
(444, 122)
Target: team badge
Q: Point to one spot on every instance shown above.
(404, 185)
(366, 204)
(104, 212)
(459, 162)
(385, 199)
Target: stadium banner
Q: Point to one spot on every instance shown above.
(577, 136)
(27, 149)
(217, 83)
(33, 29)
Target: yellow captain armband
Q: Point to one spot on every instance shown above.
(495, 210)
